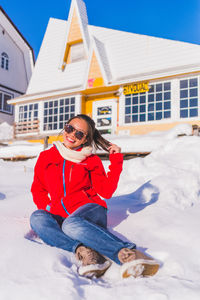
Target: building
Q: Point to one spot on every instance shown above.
(129, 83)
(16, 66)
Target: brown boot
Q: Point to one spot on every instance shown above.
(136, 263)
(93, 263)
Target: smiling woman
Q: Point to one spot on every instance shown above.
(68, 187)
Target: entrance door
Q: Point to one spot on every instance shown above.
(105, 115)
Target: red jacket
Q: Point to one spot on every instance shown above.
(61, 186)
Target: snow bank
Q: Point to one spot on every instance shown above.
(156, 205)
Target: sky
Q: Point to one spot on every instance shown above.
(170, 19)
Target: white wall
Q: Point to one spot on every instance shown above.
(15, 77)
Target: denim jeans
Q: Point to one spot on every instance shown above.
(87, 225)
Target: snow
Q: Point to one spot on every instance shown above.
(156, 205)
(6, 131)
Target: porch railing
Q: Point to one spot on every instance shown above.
(26, 127)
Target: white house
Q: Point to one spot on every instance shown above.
(16, 65)
(129, 83)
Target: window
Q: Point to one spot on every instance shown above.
(58, 112)
(4, 106)
(77, 52)
(4, 61)
(28, 112)
(153, 105)
(189, 98)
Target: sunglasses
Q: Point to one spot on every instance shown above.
(78, 134)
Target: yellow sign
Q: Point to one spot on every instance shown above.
(136, 88)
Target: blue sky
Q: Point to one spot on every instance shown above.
(170, 19)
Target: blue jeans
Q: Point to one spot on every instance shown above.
(87, 225)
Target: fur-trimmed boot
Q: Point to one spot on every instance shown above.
(136, 263)
(93, 264)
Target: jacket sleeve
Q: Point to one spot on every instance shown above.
(106, 184)
(38, 188)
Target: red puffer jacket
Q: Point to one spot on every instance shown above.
(61, 186)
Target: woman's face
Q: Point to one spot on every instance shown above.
(70, 139)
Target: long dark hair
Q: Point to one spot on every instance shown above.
(94, 137)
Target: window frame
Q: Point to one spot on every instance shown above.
(2, 110)
(142, 117)
(57, 112)
(5, 61)
(31, 113)
(185, 98)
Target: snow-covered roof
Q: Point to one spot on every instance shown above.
(124, 57)
(19, 40)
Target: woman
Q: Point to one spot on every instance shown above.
(68, 183)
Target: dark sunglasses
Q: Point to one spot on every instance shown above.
(78, 134)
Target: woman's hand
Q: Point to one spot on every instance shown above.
(114, 149)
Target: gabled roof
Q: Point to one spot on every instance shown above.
(121, 57)
(17, 31)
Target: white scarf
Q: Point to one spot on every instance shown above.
(72, 155)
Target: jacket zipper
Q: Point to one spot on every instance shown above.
(64, 187)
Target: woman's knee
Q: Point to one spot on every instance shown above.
(37, 218)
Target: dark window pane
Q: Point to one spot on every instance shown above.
(167, 96)
(184, 103)
(66, 109)
(36, 106)
(127, 119)
(167, 114)
(193, 102)
(45, 112)
(167, 86)
(151, 98)
(56, 103)
(135, 100)
(61, 110)
(50, 111)
(159, 115)
(135, 118)
(142, 99)
(55, 126)
(159, 106)
(55, 111)
(184, 94)
(142, 118)
(142, 108)
(167, 105)
(193, 112)
(184, 113)
(67, 101)
(150, 117)
(51, 104)
(150, 107)
(128, 101)
(72, 108)
(45, 120)
(193, 82)
(45, 104)
(151, 89)
(184, 84)
(61, 102)
(135, 109)
(158, 87)
(72, 100)
(127, 110)
(159, 97)
(193, 92)
(61, 117)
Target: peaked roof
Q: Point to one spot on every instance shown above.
(122, 57)
(18, 32)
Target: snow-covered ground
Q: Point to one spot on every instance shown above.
(156, 205)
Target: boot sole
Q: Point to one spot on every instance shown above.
(140, 268)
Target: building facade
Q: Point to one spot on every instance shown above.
(16, 66)
(128, 83)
